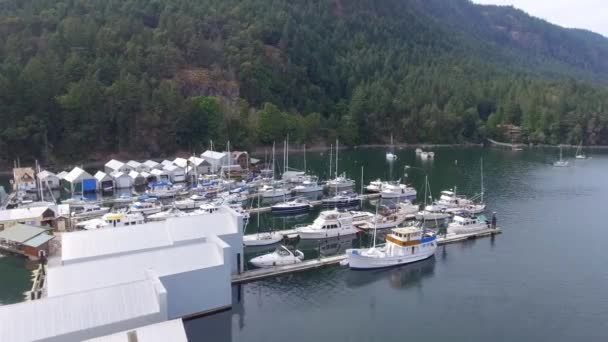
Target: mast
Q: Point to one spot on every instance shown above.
(229, 161)
(304, 158)
(287, 154)
(482, 189)
(336, 158)
(331, 151)
(273, 154)
(284, 147)
(376, 223)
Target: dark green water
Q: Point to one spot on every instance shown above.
(545, 278)
(15, 279)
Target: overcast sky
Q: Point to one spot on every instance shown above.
(588, 14)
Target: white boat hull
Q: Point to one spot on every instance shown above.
(325, 233)
(469, 229)
(262, 239)
(362, 262)
(391, 194)
(304, 190)
(148, 211)
(274, 194)
(432, 216)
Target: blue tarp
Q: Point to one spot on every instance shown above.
(89, 185)
(157, 184)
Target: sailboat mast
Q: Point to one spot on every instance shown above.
(331, 151)
(304, 158)
(376, 223)
(482, 189)
(273, 154)
(336, 158)
(287, 154)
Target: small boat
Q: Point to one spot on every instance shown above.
(163, 189)
(297, 205)
(391, 156)
(123, 199)
(89, 210)
(361, 217)
(397, 190)
(561, 162)
(330, 223)
(431, 213)
(403, 246)
(207, 208)
(340, 183)
(418, 150)
(281, 256)
(387, 218)
(262, 239)
(579, 152)
(427, 155)
(345, 199)
(468, 224)
(146, 207)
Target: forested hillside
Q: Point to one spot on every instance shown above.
(152, 77)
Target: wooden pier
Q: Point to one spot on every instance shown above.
(306, 265)
(313, 203)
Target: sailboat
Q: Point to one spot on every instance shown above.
(262, 238)
(341, 182)
(391, 156)
(579, 152)
(561, 162)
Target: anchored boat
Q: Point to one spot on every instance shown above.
(297, 205)
(329, 224)
(281, 256)
(468, 224)
(403, 246)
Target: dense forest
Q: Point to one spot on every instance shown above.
(151, 77)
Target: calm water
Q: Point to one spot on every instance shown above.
(15, 279)
(545, 278)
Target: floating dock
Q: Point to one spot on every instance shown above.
(313, 203)
(306, 265)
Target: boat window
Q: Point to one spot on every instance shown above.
(413, 250)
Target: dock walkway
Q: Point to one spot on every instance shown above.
(262, 273)
(313, 203)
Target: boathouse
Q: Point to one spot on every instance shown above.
(136, 178)
(241, 158)
(151, 165)
(121, 180)
(24, 179)
(215, 159)
(27, 240)
(181, 162)
(136, 166)
(35, 216)
(105, 182)
(199, 166)
(115, 166)
(159, 175)
(78, 180)
(48, 180)
(176, 173)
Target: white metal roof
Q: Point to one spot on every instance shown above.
(134, 174)
(118, 174)
(131, 267)
(133, 164)
(62, 174)
(166, 162)
(80, 311)
(173, 167)
(181, 162)
(212, 155)
(42, 175)
(114, 164)
(197, 161)
(102, 176)
(160, 332)
(21, 233)
(78, 246)
(151, 164)
(23, 213)
(77, 174)
(157, 172)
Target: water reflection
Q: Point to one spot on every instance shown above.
(405, 276)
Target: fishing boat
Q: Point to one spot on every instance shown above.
(297, 205)
(330, 223)
(281, 256)
(579, 152)
(390, 155)
(345, 199)
(146, 207)
(88, 210)
(468, 224)
(561, 162)
(120, 219)
(403, 246)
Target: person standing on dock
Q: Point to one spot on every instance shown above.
(494, 220)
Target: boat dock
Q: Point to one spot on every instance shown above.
(313, 203)
(261, 273)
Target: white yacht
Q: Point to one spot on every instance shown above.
(374, 186)
(330, 223)
(163, 189)
(467, 225)
(207, 208)
(89, 210)
(403, 246)
(431, 213)
(112, 220)
(361, 217)
(397, 190)
(146, 207)
(341, 182)
(281, 256)
(307, 186)
(298, 205)
(269, 191)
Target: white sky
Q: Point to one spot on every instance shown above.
(587, 14)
